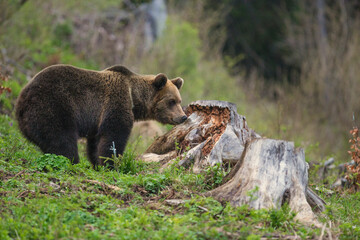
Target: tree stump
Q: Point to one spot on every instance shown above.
(267, 172)
(213, 133)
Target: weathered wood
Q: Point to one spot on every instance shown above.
(163, 158)
(214, 133)
(316, 203)
(104, 185)
(174, 202)
(269, 174)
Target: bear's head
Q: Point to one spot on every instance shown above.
(166, 106)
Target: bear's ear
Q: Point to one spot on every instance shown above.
(178, 82)
(160, 81)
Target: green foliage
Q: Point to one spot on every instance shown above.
(185, 45)
(214, 175)
(79, 217)
(177, 53)
(51, 162)
(281, 218)
(85, 6)
(13, 146)
(342, 209)
(28, 27)
(253, 193)
(127, 163)
(154, 183)
(350, 230)
(62, 34)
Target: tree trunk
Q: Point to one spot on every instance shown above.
(269, 174)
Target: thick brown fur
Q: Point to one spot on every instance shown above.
(63, 103)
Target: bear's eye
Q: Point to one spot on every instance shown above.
(172, 103)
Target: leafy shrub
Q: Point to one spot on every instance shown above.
(214, 176)
(281, 218)
(177, 53)
(51, 162)
(62, 34)
(155, 183)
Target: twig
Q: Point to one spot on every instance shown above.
(25, 193)
(202, 208)
(322, 232)
(19, 173)
(329, 231)
(112, 187)
(16, 175)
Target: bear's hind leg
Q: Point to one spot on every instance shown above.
(92, 150)
(65, 145)
(105, 145)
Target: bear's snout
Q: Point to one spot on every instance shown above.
(181, 119)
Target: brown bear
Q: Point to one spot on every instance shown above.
(63, 103)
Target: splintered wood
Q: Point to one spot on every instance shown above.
(213, 125)
(214, 133)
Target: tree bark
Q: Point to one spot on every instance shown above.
(269, 174)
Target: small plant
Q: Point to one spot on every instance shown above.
(126, 163)
(282, 217)
(214, 176)
(253, 194)
(353, 171)
(154, 184)
(51, 162)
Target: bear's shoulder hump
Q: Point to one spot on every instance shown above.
(120, 69)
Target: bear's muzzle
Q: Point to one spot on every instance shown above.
(179, 120)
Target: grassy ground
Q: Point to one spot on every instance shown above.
(44, 197)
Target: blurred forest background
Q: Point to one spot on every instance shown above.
(292, 67)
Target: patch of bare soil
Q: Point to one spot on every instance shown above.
(4, 176)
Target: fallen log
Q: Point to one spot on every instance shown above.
(266, 173)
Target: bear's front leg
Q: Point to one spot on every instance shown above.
(113, 130)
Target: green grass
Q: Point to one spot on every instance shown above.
(43, 197)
